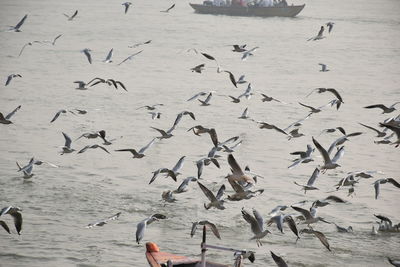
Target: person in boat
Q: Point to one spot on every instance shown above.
(266, 3)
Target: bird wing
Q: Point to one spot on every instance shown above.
(5, 226)
(83, 149)
(155, 174)
(313, 177)
(74, 15)
(12, 112)
(103, 148)
(21, 22)
(383, 107)
(17, 220)
(255, 227)
(338, 154)
(393, 182)
(109, 55)
(335, 199)
(214, 228)
(68, 140)
(322, 238)
(208, 56)
(377, 186)
(171, 7)
(89, 57)
(130, 57)
(259, 218)
(140, 229)
(162, 132)
(304, 212)
(321, 150)
(214, 137)
(207, 192)
(234, 165)
(220, 192)
(278, 260)
(310, 107)
(194, 228)
(196, 96)
(231, 77)
(369, 127)
(55, 39)
(143, 149)
(178, 165)
(333, 91)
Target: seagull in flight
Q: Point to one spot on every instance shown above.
(249, 53)
(130, 57)
(239, 48)
(174, 172)
(257, 225)
(216, 201)
(331, 90)
(384, 108)
(109, 56)
(28, 44)
(330, 26)
(10, 77)
(168, 9)
(67, 146)
(87, 51)
(6, 119)
(310, 181)
(103, 222)
(19, 24)
(70, 18)
(328, 163)
(378, 183)
(54, 40)
(92, 147)
(142, 225)
(323, 67)
(127, 5)
(198, 68)
(319, 36)
(138, 154)
(17, 216)
(139, 44)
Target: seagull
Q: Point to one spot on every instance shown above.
(341, 141)
(264, 125)
(150, 107)
(239, 48)
(319, 235)
(58, 114)
(216, 201)
(208, 224)
(67, 146)
(70, 18)
(241, 80)
(138, 154)
(27, 170)
(269, 99)
(184, 185)
(310, 182)
(319, 109)
(93, 147)
(231, 77)
(325, 201)
(168, 9)
(109, 82)
(19, 24)
(198, 68)
(87, 51)
(331, 90)
(294, 134)
(309, 217)
(380, 133)
(180, 115)
(377, 184)
(170, 172)
(248, 93)
(240, 192)
(15, 213)
(109, 56)
(341, 229)
(197, 95)
(257, 225)
(275, 211)
(278, 260)
(127, 5)
(54, 40)
(164, 134)
(6, 119)
(249, 53)
(328, 163)
(139, 44)
(28, 44)
(237, 174)
(81, 85)
(245, 114)
(297, 123)
(323, 67)
(384, 108)
(141, 226)
(330, 26)
(155, 115)
(305, 156)
(207, 100)
(332, 130)
(319, 35)
(395, 130)
(130, 57)
(103, 222)
(10, 77)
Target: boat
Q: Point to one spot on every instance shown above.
(157, 258)
(275, 11)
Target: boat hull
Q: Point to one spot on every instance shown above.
(289, 11)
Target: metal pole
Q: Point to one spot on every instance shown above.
(203, 248)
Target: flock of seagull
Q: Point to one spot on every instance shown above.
(243, 182)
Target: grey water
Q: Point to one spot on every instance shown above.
(362, 53)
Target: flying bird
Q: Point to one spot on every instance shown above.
(168, 9)
(198, 68)
(323, 67)
(67, 146)
(138, 154)
(319, 235)
(109, 56)
(377, 184)
(216, 201)
(385, 109)
(126, 5)
(142, 225)
(311, 181)
(93, 147)
(87, 51)
(130, 57)
(28, 44)
(278, 260)
(6, 119)
(10, 77)
(319, 36)
(330, 26)
(70, 18)
(173, 173)
(139, 44)
(257, 225)
(103, 222)
(328, 163)
(208, 224)
(17, 27)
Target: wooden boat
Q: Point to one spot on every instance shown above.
(156, 258)
(288, 11)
